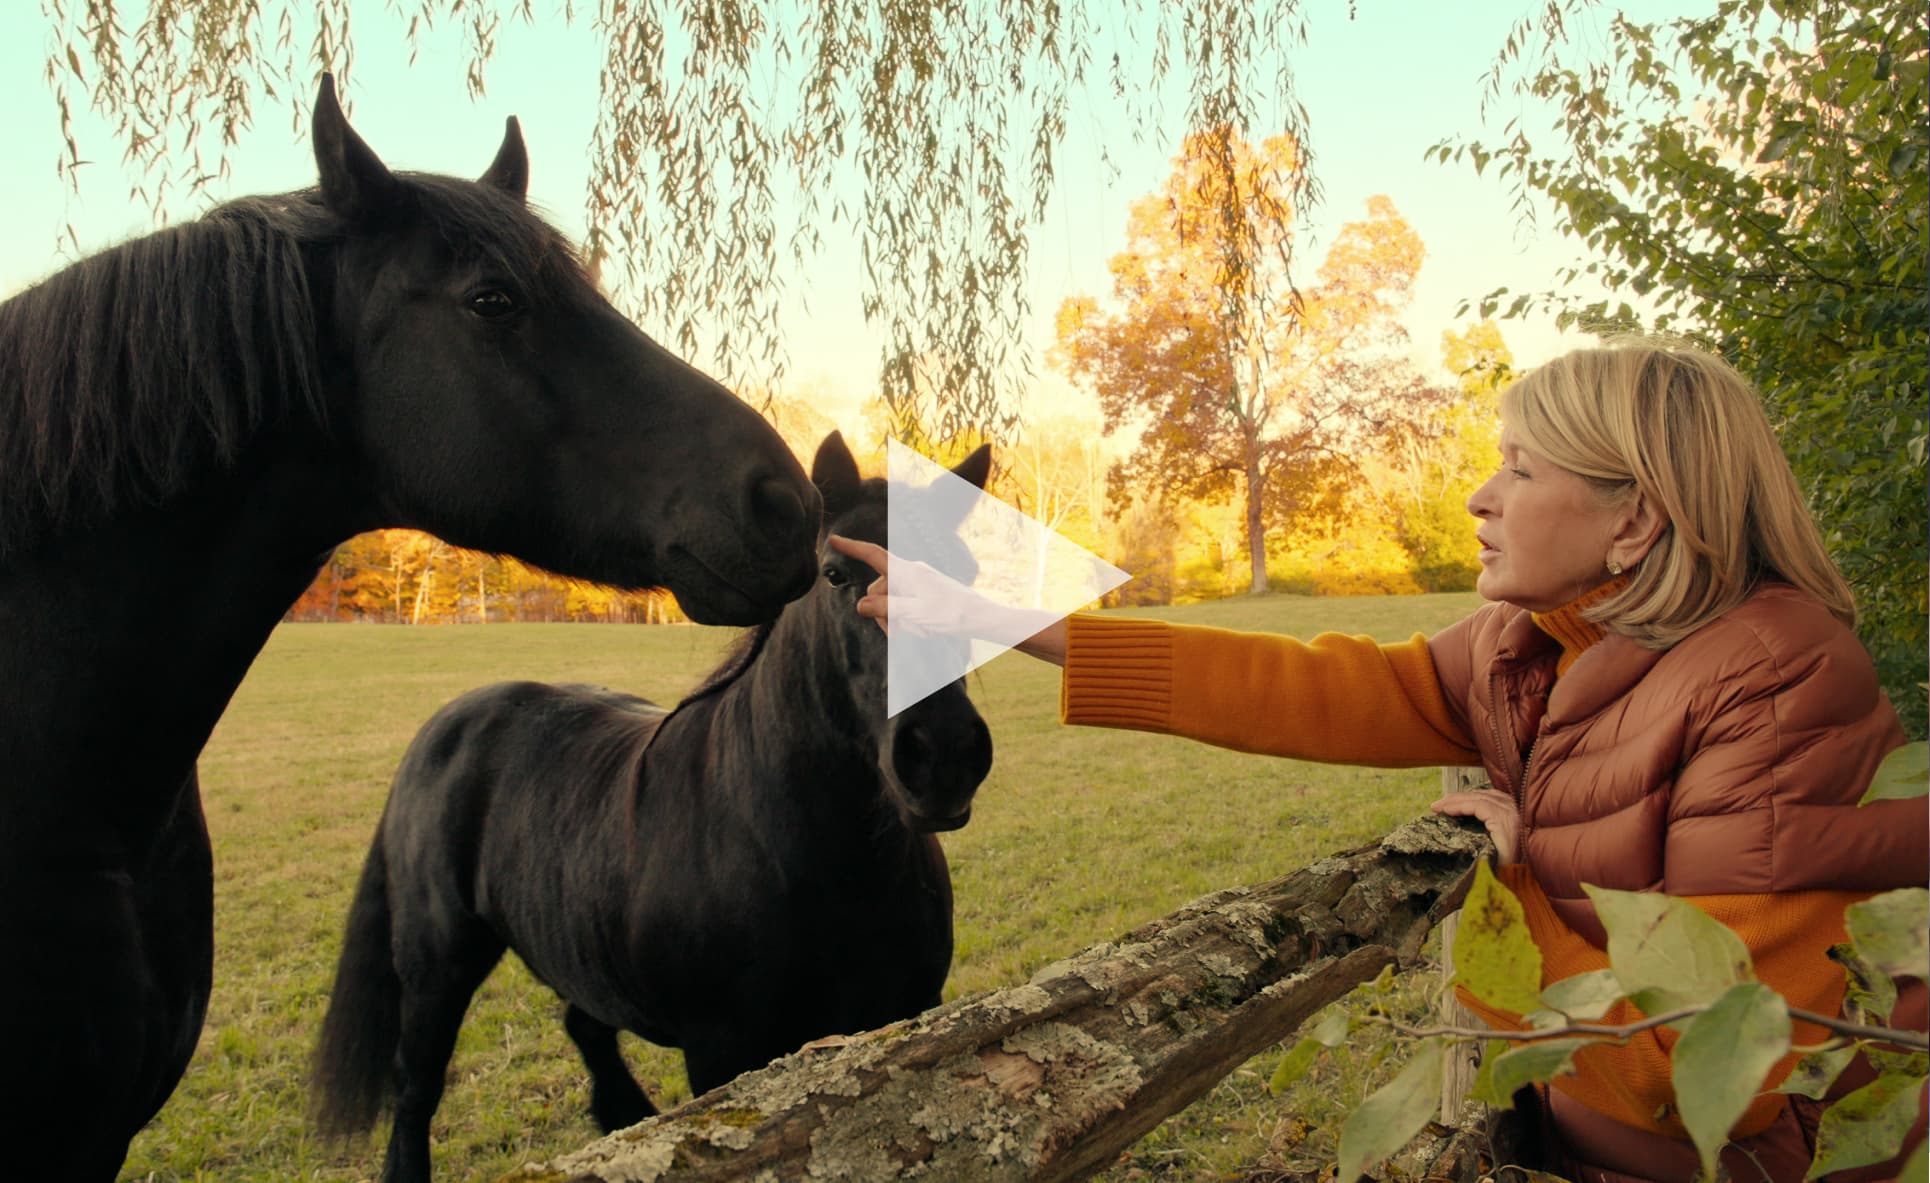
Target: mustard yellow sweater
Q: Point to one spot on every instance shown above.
(1350, 700)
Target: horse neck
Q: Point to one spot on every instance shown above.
(124, 641)
(790, 710)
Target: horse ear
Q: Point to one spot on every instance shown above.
(976, 468)
(510, 170)
(835, 472)
(355, 183)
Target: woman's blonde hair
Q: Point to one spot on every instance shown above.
(1683, 427)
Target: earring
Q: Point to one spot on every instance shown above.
(1614, 567)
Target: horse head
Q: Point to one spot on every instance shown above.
(933, 754)
(496, 399)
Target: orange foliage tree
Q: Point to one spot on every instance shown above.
(406, 577)
(1239, 382)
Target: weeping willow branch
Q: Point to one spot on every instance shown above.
(736, 138)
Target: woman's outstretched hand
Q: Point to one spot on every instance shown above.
(925, 600)
(1497, 812)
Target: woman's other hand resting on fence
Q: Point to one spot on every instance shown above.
(1497, 812)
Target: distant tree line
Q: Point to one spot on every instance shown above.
(406, 577)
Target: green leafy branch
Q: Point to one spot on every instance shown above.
(1625, 1031)
(1687, 971)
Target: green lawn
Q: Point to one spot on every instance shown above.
(1079, 835)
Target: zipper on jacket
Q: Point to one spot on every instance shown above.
(1494, 725)
(1521, 801)
(1520, 789)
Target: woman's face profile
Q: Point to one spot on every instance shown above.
(1545, 532)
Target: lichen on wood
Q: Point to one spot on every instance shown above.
(1050, 1079)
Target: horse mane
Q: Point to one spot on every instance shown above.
(129, 375)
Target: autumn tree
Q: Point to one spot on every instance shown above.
(1055, 471)
(1428, 466)
(407, 577)
(732, 136)
(1236, 380)
(1758, 176)
(798, 422)
(1143, 542)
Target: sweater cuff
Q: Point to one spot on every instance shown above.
(1118, 673)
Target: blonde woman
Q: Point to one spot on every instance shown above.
(1665, 692)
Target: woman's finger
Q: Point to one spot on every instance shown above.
(1478, 804)
(869, 553)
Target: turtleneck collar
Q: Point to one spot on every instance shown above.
(1568, 627)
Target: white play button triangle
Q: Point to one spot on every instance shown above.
(1005, 556)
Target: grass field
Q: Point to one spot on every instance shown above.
(1079, 835)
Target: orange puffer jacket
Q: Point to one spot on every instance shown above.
(1725, 768)
(1731, 763)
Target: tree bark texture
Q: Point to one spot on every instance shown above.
(1051, 1079)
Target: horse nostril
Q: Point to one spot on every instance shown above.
(910, 748)
(775, 506)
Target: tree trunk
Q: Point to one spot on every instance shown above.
(422, 592)
(1256, 537)
(1050, 1080)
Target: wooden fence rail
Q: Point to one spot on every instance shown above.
(1457, 1076)
(1051, 1079)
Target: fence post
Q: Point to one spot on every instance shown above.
(1457, 1074)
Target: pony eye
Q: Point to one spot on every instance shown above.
(835, 575)
(492, 304)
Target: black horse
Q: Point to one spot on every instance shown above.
(189, 424)
(748, 872)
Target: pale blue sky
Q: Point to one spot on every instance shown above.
(1378, 89)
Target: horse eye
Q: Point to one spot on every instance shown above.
(835, 576)
(492, 304)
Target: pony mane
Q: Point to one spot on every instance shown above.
(743, 654)
(133, 373)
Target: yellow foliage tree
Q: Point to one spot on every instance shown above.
(1428, 467)
(406, 577)
(1238, 382)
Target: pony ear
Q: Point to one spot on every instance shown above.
(355, 183)
(976, 468)
(510, 170)
(835, 472)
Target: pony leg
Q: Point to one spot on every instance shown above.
(709, 1064)
(616, 1100)
(435, 994)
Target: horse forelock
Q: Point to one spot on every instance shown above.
(481, 224)
(130, 373)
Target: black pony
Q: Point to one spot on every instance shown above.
(746, 873)
(189, 424)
